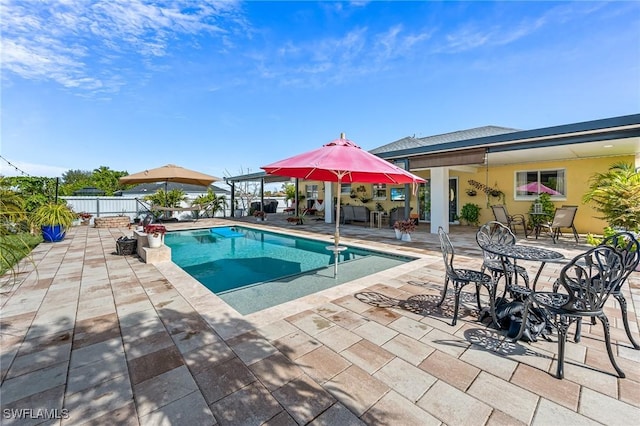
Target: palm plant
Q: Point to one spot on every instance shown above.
(616, 194)
(217, 202)
(171, 198)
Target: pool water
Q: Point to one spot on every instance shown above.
(253, 269)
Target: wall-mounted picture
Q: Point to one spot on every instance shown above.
(397, 194)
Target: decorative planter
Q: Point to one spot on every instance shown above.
(155, 241)
(405, 237)
(398, 233)
(52, 234)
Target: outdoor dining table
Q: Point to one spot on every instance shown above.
(524, 252)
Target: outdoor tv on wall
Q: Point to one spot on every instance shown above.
(397, 194)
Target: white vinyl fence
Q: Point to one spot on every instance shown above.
(131, 206)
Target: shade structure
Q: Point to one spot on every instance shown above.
(169, 173)
(538, 188)
(341, 161)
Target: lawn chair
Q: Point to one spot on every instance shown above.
(562, 218)
(501, 215)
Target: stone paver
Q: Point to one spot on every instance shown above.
(112, 340)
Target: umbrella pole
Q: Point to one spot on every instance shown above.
(336, 236)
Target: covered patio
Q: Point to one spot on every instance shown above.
(98, 338)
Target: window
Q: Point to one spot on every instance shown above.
(531, 183)
(345, 189)
(397, 194)
(380, 191)
(312, 192)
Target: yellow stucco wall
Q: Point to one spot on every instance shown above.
(578, 173)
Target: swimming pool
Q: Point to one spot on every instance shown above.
(254, 269)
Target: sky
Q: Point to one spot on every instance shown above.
(227, 87)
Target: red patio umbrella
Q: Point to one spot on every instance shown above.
(538, 188)
(341, 161)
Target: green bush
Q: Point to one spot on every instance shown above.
(616, 195)
(470, 213)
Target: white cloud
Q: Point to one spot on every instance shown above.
(70, 41)
(16, 168)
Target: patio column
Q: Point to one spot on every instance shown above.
(328, 202)
(439, 199)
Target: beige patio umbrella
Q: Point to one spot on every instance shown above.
(169, 173)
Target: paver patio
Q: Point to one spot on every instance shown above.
(90, 337)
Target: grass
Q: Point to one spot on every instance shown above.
(16, 247)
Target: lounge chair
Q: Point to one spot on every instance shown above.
(203, 208)
(562, 218)
(501, 215)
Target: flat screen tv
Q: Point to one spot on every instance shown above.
(397, 194)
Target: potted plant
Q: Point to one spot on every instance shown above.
(54, 220)
(470, 213)
(406, 227)
(155, 235)
(85, 217)
(396, 228)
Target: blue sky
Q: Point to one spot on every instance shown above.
(225, 87)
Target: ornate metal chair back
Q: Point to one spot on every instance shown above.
(590, 278)
(494, 232)
(629, 248)
(448, 253)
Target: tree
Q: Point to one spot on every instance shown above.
(107, 180)
(616, 194)
(289, 190)
(35, 191)
(245, 192)
(73, 180)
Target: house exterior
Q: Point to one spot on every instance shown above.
(498, 160)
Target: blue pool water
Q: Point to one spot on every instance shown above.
(253, 269)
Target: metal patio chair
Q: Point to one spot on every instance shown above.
(494, 232)
(462, 277)
(502, 215)
(629, 248)
(586, 283)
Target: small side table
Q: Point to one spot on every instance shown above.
(375, 216)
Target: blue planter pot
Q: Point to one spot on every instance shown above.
(52, 234)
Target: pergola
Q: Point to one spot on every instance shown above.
(261, 177)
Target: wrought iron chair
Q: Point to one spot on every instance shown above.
(502, 215)
(629, 248)
(586, 281)
(462, 277)
(494, 232)
(562, 218)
